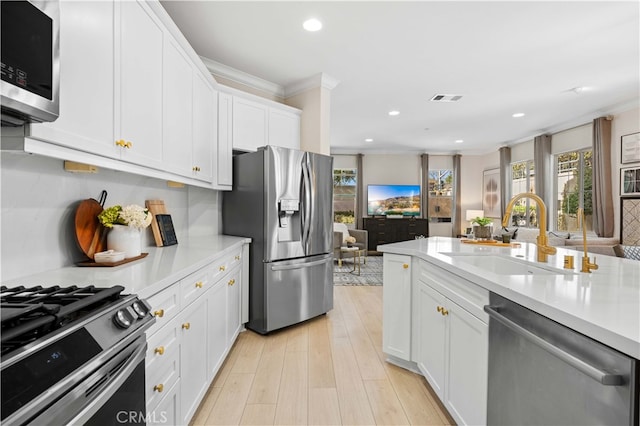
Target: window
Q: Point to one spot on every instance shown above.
(574, 171)
(440, 195)
(523, 177)
(344, 195)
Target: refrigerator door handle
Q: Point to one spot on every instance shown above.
(306, 203)
(297, 266)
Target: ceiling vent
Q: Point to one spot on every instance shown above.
(445, 98)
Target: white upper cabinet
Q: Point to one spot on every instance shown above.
(138, 85)
(177, 110)
(86, 120)
(249, 124)
(225, 140)
(284, 128)
(205, 113)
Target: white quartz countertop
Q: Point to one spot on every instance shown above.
(604, 305)
(144, 277)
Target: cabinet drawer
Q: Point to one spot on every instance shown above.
(165, 411)
(164, 306)
(194, 285)
(225, 263)
(470, 296)
(162, 363)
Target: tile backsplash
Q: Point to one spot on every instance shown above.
(39, 199)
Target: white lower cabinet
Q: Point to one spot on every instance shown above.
(198, 319)
(450, 344)
(396, 307)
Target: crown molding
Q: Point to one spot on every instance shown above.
(216, 68)
(319, 80)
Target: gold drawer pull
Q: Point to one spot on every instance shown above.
(159, 313)
(439, 309)
(159, 350)
(128, 144)
(238, 257)
(444, 312)
(405, 265)
(120, 142)
(195, 168)
(186, 326)
(199, 284)
(222, 268)
(158, 388)
(232, 282)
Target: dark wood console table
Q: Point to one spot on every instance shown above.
(382, 230)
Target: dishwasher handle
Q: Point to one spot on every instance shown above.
(596, 374)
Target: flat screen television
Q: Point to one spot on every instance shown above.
(393, 200)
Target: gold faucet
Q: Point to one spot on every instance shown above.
(542, 241)
(587, 266)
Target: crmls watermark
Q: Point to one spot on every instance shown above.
(139, 417)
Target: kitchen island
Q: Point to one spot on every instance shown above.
(435, 321)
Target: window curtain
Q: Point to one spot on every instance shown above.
(603, 222)
(505, 178)
(424, 190)
(359, 191)
(543, 164)
(456, 211)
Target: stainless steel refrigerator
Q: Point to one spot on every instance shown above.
(282, 199)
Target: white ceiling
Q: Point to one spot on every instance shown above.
(502, 57)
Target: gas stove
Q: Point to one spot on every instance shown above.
(63, 347)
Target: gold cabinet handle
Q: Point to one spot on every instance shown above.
(128, 144)
(120, 142)
(232, 282)
(158, 388)
(159, 350)
(444, 312)
(238, 257)
(405, 265)
(222, 268)
(199, 284)
(159, 313)
(439, 309)
(186, 326)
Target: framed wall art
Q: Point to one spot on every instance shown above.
(630, 148)
(491, 193)
(630, 181)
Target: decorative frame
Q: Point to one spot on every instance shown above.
(630, 181)
(630, 148)
(491, 193)
(630, 221)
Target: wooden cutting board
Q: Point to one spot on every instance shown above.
(90, 234)
(156, 207)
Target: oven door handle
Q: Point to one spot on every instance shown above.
(82, 402)
(596, 374)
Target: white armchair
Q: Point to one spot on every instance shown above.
(340, 232)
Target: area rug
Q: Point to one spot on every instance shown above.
(370, 273)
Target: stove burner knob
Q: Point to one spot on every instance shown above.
(139, 309)
(123, 319)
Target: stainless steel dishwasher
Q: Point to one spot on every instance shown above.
(543, 373)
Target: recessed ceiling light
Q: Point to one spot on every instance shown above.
(394, 112)
(518, 115)
(459, 141)
(368, 140)
(312, 25)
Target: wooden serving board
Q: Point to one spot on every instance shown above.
(490, 243)
(156, 207)
(120, 262)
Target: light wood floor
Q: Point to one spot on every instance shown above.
(327, 371)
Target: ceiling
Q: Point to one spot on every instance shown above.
(501, 57)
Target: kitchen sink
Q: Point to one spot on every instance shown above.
(505, 265)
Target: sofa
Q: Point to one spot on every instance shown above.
(570, 240)
(341, 232)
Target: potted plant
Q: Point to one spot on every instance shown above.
(126, 224)
(483, 227)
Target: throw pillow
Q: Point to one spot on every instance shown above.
(341, 227)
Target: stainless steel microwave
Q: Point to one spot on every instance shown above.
(30, 42)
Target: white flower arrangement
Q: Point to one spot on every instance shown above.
(133, 215)
(350, 239)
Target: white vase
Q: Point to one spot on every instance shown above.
(126, 239)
